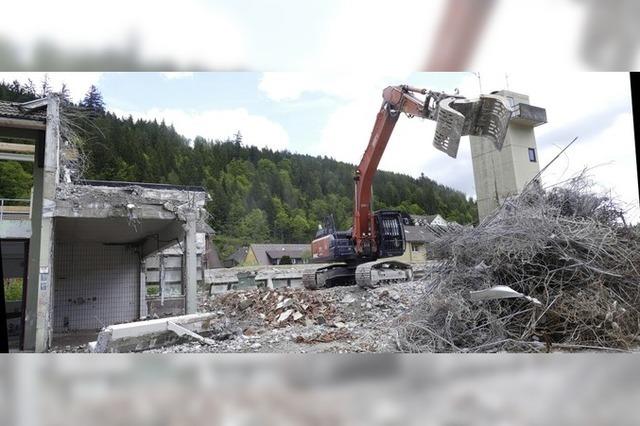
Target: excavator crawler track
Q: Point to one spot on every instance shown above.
(339, 274)
(377, 273)
(309, 278)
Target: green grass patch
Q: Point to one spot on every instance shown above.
(13, 289)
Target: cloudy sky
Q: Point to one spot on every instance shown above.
(332, 114)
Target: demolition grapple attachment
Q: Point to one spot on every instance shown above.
(487, 117)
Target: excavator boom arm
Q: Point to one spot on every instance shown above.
(455, 117)
(397, 99)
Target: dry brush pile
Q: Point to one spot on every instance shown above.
(567, 247)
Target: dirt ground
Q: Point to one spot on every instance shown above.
(338, 320)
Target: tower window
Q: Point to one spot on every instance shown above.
(532, 155)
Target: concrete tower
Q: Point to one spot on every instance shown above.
(499, 174)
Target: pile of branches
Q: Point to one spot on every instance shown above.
(566, 246)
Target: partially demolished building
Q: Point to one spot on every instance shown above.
(88, 240)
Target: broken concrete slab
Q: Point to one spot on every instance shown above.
(143, 335)
(283, 316)
(500, 292)
(181, 331)
(348, 299)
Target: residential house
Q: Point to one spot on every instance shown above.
(275, 254)
(237, 257)
(431, 219)
(417, 238)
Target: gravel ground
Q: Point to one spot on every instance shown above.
(338, 320)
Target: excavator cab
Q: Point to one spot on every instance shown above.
(390, 233)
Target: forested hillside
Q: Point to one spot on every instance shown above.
(257, 194)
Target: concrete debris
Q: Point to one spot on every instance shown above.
(283, 316)
(322, 337)
(297, 320)
(348, 299)
(284, 304)
(278, 307)
(181, 331)
(500, 292)
(144, 335)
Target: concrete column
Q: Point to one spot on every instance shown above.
(39, 296)
(161, 272)
(50, 181)
(143, 290)
(34, 261)
(190, 270)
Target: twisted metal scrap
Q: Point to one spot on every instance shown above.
(567, 247)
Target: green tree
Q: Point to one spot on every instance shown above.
(93, 100)
(281, 222)
(15, 182)
(253, 228)
(300, 229)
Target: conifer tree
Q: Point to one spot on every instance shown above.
(93, 100)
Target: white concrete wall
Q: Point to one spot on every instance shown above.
(95, 285)
(439, 220)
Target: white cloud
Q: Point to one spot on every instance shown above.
(566, 96)
(285, 86)
(348, 129)
(610, 157)
(220, 124)
(77, 82)
(177, 75)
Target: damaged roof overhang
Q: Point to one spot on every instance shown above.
(120, 184)
(27, 115)
(114, 230)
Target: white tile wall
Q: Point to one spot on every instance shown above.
(95, 285)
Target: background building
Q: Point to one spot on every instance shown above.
(271, 254)
(499, 174)
(78, 247)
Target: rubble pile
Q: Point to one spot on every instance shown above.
(278, 308)
(285, 320)
(565, 250)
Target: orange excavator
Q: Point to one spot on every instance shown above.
(363, 254)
